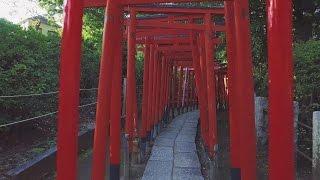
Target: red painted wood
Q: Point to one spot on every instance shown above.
(280, 60)
(197, 27)
(204, 85)
(197, 69)
(180, 87)
(210, 85)
(162, 87)
(244, 91)
(145, 90)
(157, 10)
(69, 92)
(112, 35)
(102, 3)
(161, 1)
(158, 32)
(150, 89)
(173, 90)
(131, 86)
(157, 89)
(231, 54)
(136, 124)
(154, 88)
(115, 117)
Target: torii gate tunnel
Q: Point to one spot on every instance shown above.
(179, 70)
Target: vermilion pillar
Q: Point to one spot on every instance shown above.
(234, 121)
(163, 86)
(184, 88)
(150, 89)
(115, 117)
(173, 89)
(136, 124)
(131, 86)
(188, 89)
(198, 79)
(154, 90)
(281, 123)
(210, 84)
(158, 86)
(244, 91)
(180, 86)
(204, 85)
(112, 36)
(145, 90)
(69, 91)
(166, 84)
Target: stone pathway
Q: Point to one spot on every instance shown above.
(174, 154)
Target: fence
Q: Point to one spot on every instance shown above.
(307, 137)
(43, 115)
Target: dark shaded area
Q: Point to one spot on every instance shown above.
(220, 166)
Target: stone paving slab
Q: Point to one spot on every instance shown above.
(188, 160)
(185, 138)
(166, 142)
(188, 132)
(168, 134)
(181, 147)
(174, 155)
(158, 170)
(191, 123)
(187, 174)
(160, 153)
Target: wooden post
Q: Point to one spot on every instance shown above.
(233, 120)
(112, 36)
(244, 78)
(210, 85)
(131, 86)
(69, 91)
(115, 117)
(280, 64)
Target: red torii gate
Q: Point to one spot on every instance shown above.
(240, 86)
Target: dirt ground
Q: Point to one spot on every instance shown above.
(20, 144)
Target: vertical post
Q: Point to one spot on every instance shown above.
(163, 86)
(115, 114)
(154, 88)
(112, 36)
(69, 91)
(316, 145)
(204, 86)
(130, 116)
(136, 122)
(173, 90)
(145, 90)
(210, 84)
(180, 90)
(280, 61)
(233, 120)
(184, 87)
(124, 90)
(158, 83)
(199, 86)
(166, 77)
(244, 78)
(192, 89)
(150, 89)
(188, 91)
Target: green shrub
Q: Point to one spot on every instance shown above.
(29, 64)
(307, 74)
